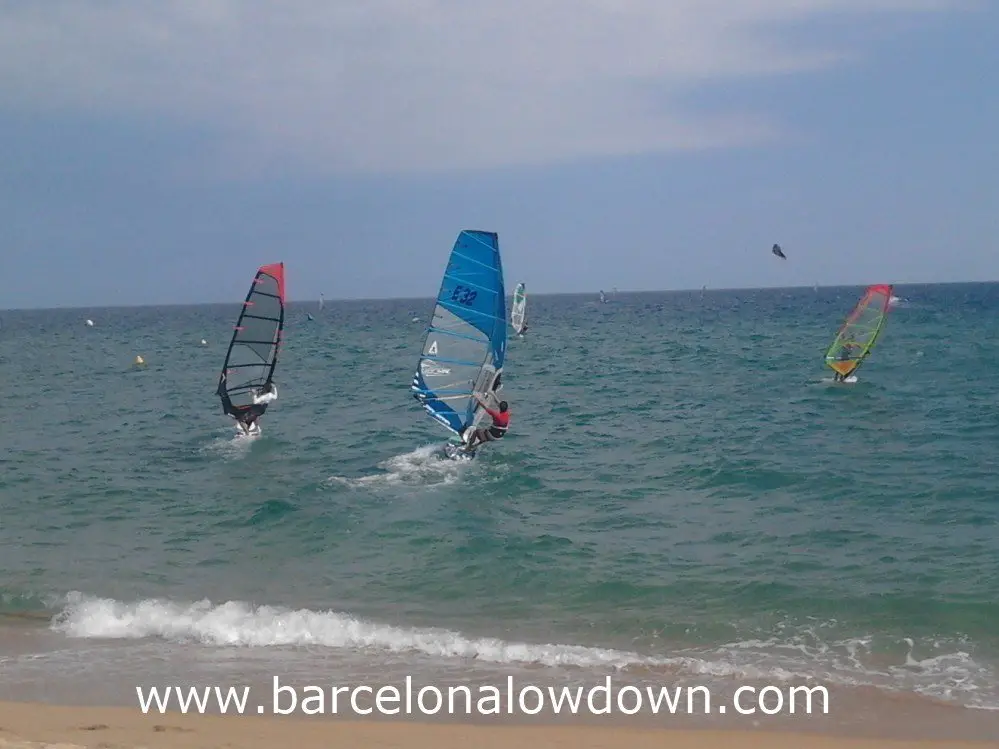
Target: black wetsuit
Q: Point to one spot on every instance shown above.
(249, 414)
(246, 414)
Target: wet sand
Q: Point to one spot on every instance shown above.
(37, 726)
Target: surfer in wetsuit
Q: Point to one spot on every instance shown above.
(496, 430)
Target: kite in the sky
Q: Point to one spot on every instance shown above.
(779, 252)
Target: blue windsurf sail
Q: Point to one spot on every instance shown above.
(465, 344)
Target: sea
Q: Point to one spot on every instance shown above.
(684, 498)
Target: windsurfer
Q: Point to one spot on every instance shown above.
(845, 355)
(496, 430)
(247, 416)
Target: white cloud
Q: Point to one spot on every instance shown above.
(402, 85)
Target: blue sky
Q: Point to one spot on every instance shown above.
(159, 152)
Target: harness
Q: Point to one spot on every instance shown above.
(498, 430)
(248, 413)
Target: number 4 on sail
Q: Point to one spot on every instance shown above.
(246, 384)
(855, 339)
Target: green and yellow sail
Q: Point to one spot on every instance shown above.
(863, 325)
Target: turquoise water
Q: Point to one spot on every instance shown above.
(683, 495)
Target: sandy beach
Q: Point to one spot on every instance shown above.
(34, 726)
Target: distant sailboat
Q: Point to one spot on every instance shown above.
(318, 309)
(465, 345)
(603, 297)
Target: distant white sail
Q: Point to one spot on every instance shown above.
(518, 311)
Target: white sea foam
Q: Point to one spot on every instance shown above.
(232, 446)
(423, 466)
(942, 669)
(239, 624)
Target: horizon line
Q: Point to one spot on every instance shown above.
(543, 294)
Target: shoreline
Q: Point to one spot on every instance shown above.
(26, 725)
(98, 674)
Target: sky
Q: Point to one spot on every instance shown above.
(159, 151)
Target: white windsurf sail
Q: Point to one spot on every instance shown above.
(518, 311)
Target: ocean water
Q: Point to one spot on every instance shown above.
(683, 498)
